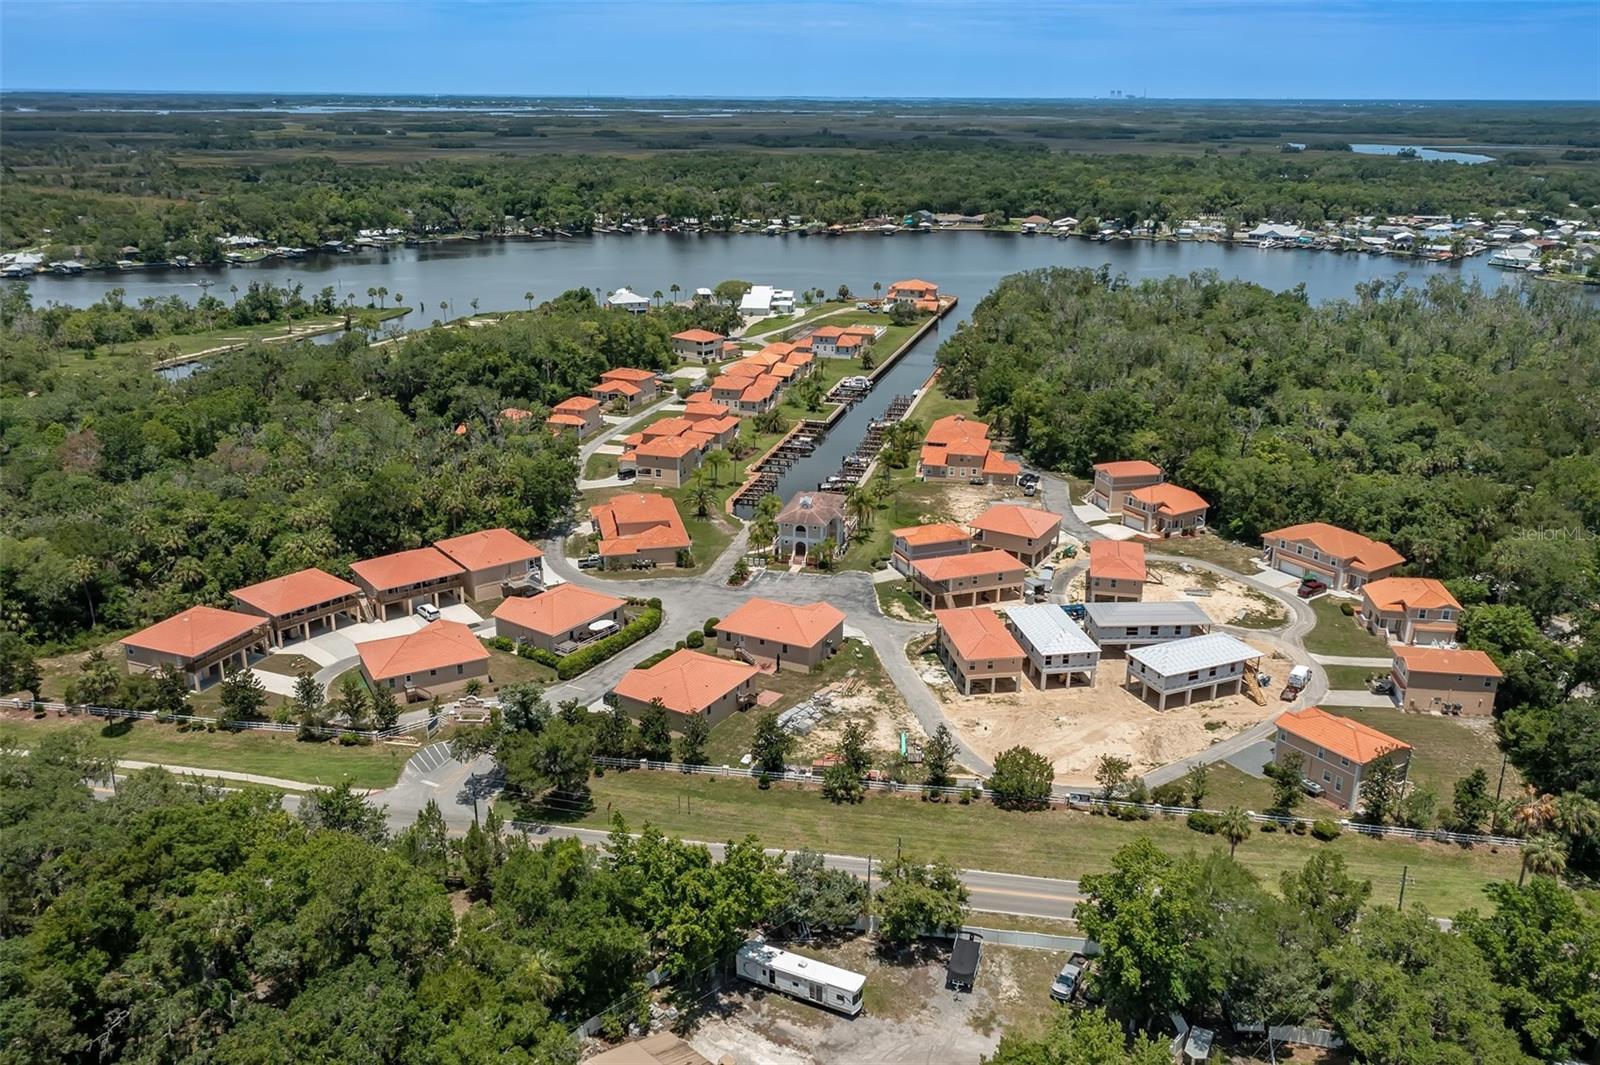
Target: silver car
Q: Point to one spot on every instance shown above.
(1065, 985)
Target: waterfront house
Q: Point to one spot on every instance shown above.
(668, 460)
(1057, 649)
(1415, 610)
(1028, 533)
(1120, 626)
(498, 562)
(560, 619)
(1443, 681)
(978, 650)
(1163, 509)
(1337, 557)
(1116, 572)
(699, 345)
(300, 605)
(759, 395)
(811, 518)
(917, 542)
(967, 580)
(625, 299)
(1114, 480)
(639, 527)
(958, 447)
(785, 635)
(688, 683)
(1197, 668)
(439, 657)
(579, 415)
(763, 300)
(201, 643)
(1336, 752)
(406, 578)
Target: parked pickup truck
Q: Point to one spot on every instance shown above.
(1065, 986)
(1299, 677)
(590, 562)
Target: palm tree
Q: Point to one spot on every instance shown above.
(1535, 812)
(527, 297)
(701, 493)
(1576, 815)
(539, 976)
(860, 507)
(715, 460)
(1543, 855)
(674, 289)
(1233, 825)
(372, 294)
(235, 290)
(474, 302)
(877, 288)
(399, 299)
(383, 294)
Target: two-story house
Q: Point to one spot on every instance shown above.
(698, 345)
(1337, 557)
(979, 651)
(1114, 480)
(1336, 752)
(1163, 509)
(1417, 610)
(1442, 681)
(1117, 571)
(982, 577)
(917, 542)
(811, 519)
(1029, 533)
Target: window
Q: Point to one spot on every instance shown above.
(1326, 776)
(1345, 762)
(1338, 785)
(1320, 753)
(461, 670)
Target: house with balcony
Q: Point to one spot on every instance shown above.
(910, 292)
(1028, 533)
(699, 345)
(1162, 510)
(1340, 559)
(811, 519)
(630, 387)
(979, 651)
(1414, 610)
(915, 543)
(783, 635)
(958, 447)
(688, 683)
(1123, 626)
(1336, 752)
(201, 643)
(1439, 680)
(1114, 480)
(300, 605)
(1057, 650)
(1117, 572)
(977, 579)
(579, 415)
(405, 579)
(497, 562)
(1195, 669)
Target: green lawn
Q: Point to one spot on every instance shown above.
(192, 343)
(599, 466)
(1053, 843)
(1444, 749)
(506, 668)
(1210, 548)
(936, 404)
(1351, 678)
(1337, 634)
(896, 601)
(909, 502)
(272, 754)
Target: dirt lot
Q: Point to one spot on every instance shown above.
(962, 502)
(1073, 727)
(908, 1018)
(1225, 601)
(881, 708)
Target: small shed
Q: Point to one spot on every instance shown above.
(962, 969)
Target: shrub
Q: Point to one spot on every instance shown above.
(696, 638)
(1299, 828)
(502, 643)
(654, 603)
(1347, 609)
(653, 659)
(1172, 793)
(1203, 821)
(710, 627)
(592, 654)
(1325, 830)
(1268, 826)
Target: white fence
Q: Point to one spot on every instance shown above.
(112, 713)
(1073, 800)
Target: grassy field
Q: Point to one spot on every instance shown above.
(1210, 548)
(506, 668)
(1350, 678)
(599, 466)
(1336, 634)
(895, 600)
(1053, 843)
(272, 754)
(908, 502)
(193, 343)
(936, 405)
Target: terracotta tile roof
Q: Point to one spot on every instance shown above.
(850, 340)
(913, 285)
(1409, 593)
(1168, 499)
(576, 404)
(866, 332)
(934, 455)
(686, 682)
(776, 350)
(759, 390)
(295, 591)
(1350, 739)
(1467, 663)
(559, 610)
(653, 518)
(1009, 519)
(718, 426)
(730, 346)
(628, 373)
(618, 388)
(797, 358)
(995, 463)
(698, 336)
(827, 332)
(1128, 468)
(744, 368)
(977, 564)
(487, 548)
(405, 567)
(937, 533)
(1340, 543)
(956, 428)
(927, 305)
(801, 346)
(803, 626)
(439, 645)
(569, 421)
(783, 371)
(812, 508)
(515, 414)
(700, 407)
(1121, 560)
(673, 447)
(194, 632)
(976, 632)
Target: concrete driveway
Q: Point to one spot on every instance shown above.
(1278, 579)
(335, 652)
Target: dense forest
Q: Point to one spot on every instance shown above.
(162, 206)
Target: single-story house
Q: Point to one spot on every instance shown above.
(1120, 626)
(687, 683)
(1163, 509)
(576, 414)
(1337, 557)
(917, 542)
(439, 657)
(1029, 533)
(1418, 610)
(1208, 666)
(1116, 571)
(967, 580)
(201, 643)
(300, 605)
(1114, 480)
(787, 635)
(1442, 681)
(979, 650)
(405, 578)
(565, 615)
(498, 562)
(810, 519)
(1056, 648)
(699, 345)
(639, 527)
(1336, 751)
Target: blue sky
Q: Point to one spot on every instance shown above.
(1335, 49)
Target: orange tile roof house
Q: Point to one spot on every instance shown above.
(700, 408)
(560, 619)
(698, 345)
(1114, 480)
(437, 658)
(300, 604)
(957, 446)
(824, 339)
(760, 395)
(1163, 509)
(979, 650)
(967, 580)
(407, 577)
(199, 643)
(667, 460)
(578, 414)
(787, 635)
(633, 387)
(1116, 571)
(1441, 681)
(1029, 533)
(1416, 610)
(1337, 557)
(639, 527)
(917, 542)
(688, 682)
(1336, 751)
(913, 290)
(498, 562)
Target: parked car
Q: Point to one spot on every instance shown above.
(975, 480)
(590, 562)
(1383, 686)
(1310, 587)
(1029, 489)
(427, 612)
(628, 474)
(1311, 787)
(1065, 985)
(1076, 611)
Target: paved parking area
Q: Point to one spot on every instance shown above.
(1252, 759)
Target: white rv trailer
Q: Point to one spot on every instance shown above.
(801, 977)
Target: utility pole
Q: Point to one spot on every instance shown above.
(1402, 904)
(1494, 815)
(869, 892)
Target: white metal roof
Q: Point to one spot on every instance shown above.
(1048, 629)
(802, 967)
(1179, 612)
(1195, 653)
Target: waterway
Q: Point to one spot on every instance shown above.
(1433, 154)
